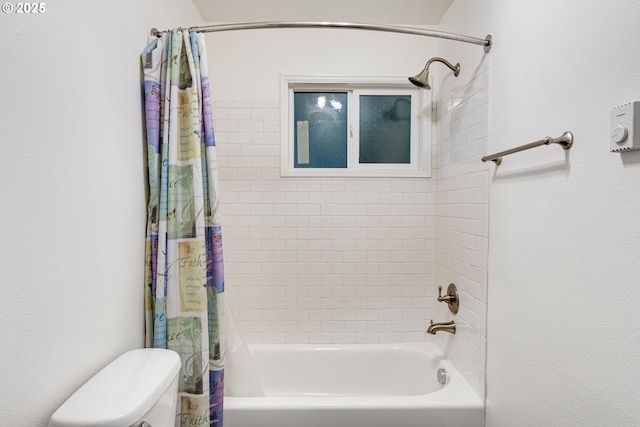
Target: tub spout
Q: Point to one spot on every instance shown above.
(445, 326)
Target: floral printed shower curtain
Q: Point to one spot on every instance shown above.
(184, 279)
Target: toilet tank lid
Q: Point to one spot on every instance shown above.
(122, 392)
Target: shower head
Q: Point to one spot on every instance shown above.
(422, 78)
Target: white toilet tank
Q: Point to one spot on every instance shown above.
(141, 385)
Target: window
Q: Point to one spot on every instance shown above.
(334, 126)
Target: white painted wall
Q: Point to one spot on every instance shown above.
(246, 65)
(73, 214)
(563, 319)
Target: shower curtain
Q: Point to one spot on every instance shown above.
(184, 278)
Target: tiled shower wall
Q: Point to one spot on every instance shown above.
(319, 260)
(354, 260)
(462, 210)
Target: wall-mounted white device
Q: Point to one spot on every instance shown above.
(625, 127)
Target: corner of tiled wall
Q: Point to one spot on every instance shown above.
(462, 209)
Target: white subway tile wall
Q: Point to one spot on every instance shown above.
(355, 260)
(319, 260)
(461, 221)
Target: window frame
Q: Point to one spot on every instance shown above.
(420, 165)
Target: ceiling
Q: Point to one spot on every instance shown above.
(408, 12)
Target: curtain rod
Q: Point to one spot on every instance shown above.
(486, 42)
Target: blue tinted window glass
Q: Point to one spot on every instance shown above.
(320, 129)
(385, 129)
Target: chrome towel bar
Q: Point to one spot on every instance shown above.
(565, 140)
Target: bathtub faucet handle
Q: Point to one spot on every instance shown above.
(445, 298)
(451, 298)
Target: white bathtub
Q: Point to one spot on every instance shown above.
(392, 385)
